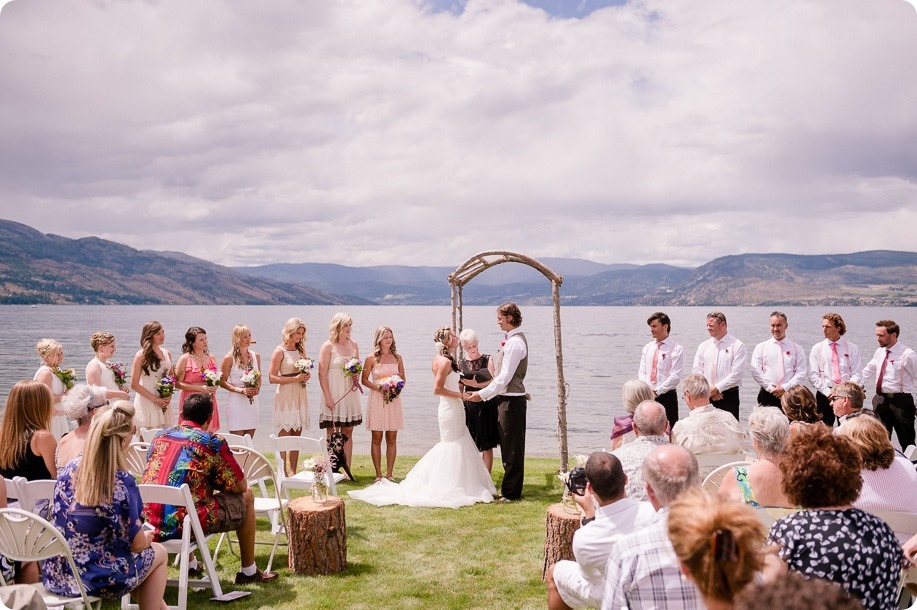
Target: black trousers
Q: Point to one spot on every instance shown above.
(824, 408)
(767, 399)
(897, 413)
(730, 401)
(511, 420)
(669, 400)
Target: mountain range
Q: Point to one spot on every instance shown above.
(40, 268)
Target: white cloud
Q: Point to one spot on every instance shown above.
(380, 131)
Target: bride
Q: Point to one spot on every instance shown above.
(451, 474)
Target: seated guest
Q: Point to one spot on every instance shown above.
(718, 544)
(608, 516)
(791, 591)
(761, 484)
(189, 454)
(889, 480)
(633, 392)
(650, 423)
(79, 404)
(831, 539)
(706, 429)
(642, 569)
(846, 399)
(98, 508)
(26, 443)
(799, 405)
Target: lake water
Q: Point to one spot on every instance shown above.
(601, 347)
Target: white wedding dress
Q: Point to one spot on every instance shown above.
(450, 475)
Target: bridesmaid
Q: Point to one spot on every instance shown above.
(52, 355)
(242, 408)
(291, 402)
(151, 363)
(381, 417)
(341, 407)
(98, 371)
(196, 360)
(477, 371)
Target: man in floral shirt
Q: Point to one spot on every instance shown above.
(189, 454)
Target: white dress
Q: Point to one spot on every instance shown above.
(240, 413)
(108, 378)
(59, 424)
(148, 414)
(450, 475)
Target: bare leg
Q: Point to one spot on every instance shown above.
(391, 450)
(289, 466)
(153, 587)
(555, 601)
(488, 457)
(246, 531)
(251, 432)
(375, 450)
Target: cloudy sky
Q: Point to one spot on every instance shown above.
(418, 132)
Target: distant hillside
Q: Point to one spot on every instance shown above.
(39, 268)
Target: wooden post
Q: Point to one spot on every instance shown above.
(318, 536)
(558, 539)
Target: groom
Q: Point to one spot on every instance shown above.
(512, 361)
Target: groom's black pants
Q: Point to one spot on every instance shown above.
(511, 419)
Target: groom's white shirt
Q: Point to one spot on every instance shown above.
(513, 352)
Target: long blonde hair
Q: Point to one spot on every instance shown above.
(28, 409)
(290, 327)
(239, 331)
(377, 342)
(103, 454)
(443, 337)
(338, 321)
(46, 348)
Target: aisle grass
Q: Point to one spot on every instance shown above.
(483, 556)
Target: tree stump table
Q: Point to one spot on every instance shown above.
(317, 535)
(558, 539)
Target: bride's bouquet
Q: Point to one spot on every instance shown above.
(212, 378)
(391, 387)
(67, 376)
(303, 365)
(120, 372)
(250, 379)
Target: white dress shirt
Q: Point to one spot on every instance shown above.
(513, 351)
(821, 372)
(670, 362)
(766, 367)
(709, 430)
(900, 372)
(721, 360)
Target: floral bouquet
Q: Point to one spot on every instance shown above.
(165, 387)
(352, 368)
(68, 376)
(250, 379)
(318, 465)
(391, 387)
(212, 378)
(120, 372)
(304, 365)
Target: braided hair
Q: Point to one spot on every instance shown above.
(443, 337)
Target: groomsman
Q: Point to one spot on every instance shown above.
(832, 362)
(778, 363)
(721, 360)
(661, 364)
(895, 369)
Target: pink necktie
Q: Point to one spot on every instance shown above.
(654, 367)
(781, 371)
(882, 372)
(835, 363)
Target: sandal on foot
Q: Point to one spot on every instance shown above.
(377, 479)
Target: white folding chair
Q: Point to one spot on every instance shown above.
(12, 493)
(244, 440)
(31, 493)
(27, 537)
(192, 538)
(713, 480)
(147, 434)
(708, 462)
(911, 452)
(303, 479)
(257, 471)
(135, 456)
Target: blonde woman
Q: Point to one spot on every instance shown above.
(341, 407)
(51, 374)
(291, 402)
(242, 406)
(99, 370)
(152, 363)
(98, 508)
(383, 417)
(26, 444)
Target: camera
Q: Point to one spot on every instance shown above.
(576, 482)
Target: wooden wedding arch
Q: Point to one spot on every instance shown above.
(479, 263)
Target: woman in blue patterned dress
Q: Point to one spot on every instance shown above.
(97, 506)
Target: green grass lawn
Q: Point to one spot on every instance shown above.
(482, 556)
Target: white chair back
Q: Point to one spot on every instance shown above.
(31, 493)
(27, 537)
(147, 434)
(713, 480)
(709, 462)
(135, 456)
(244, 440)
(307, 446)
(12, 493)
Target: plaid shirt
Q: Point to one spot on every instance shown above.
(188, 454)
(643, 572)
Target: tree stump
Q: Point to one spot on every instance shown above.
(558, 540)
(318, 536)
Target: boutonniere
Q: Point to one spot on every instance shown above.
(846, 355)
(892, 361)
(788, 353)
(663, 356)
(726, 350)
